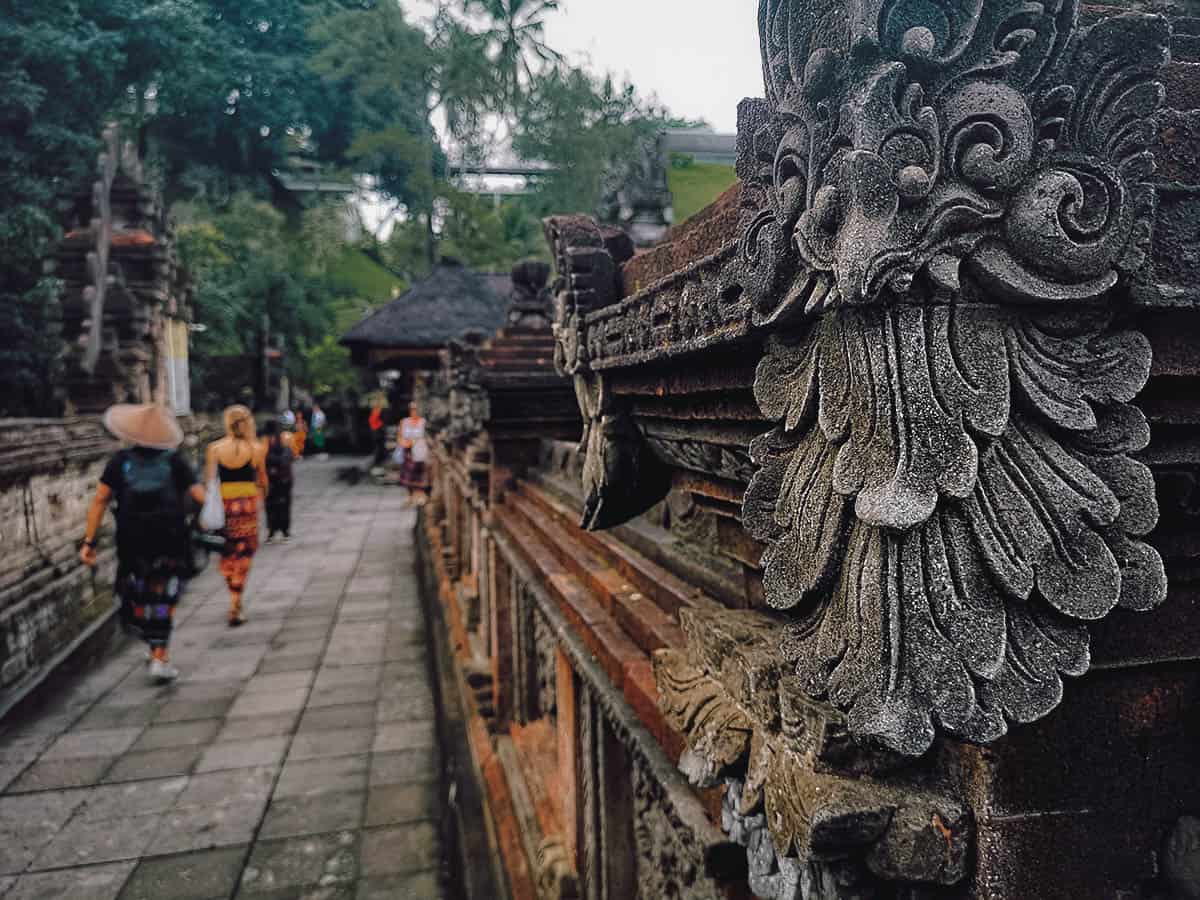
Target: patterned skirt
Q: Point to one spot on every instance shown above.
(241, 540)
(148, 592)
(414, 474)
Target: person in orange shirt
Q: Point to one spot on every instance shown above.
(299, 437)
(378, 432)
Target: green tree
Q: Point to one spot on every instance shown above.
(329, 370)
(515, 37)
(584, 126)
(65, 69)
(247, 262)
(490, 235)
(242, 99)
(383, 69)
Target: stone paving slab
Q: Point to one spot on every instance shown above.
(295, 759)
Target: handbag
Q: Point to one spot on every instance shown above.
(212, 514)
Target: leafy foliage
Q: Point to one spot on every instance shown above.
(223, 94)
(62, 66)
(583, 126)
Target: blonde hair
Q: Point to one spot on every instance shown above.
(239, 423)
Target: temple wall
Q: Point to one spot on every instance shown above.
(555, 629)
(817, 608)
(49, 470)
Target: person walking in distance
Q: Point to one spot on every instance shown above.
(317, 422)
(299, 436)
(378, 432)
(238, 461)
(414, 474)
(151, 485)
(279, 483)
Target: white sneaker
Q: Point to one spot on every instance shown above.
(162, 672)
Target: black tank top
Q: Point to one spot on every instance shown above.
(241, 473)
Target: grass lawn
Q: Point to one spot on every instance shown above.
(696, 186)
(362, 276)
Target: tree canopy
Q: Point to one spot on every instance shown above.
(224, 95)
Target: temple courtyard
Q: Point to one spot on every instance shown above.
(296, 757)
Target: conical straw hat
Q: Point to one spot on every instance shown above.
(144, 424)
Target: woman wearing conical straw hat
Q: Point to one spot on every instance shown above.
(239, 462)
(150, 484)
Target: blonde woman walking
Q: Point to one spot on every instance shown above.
(238, 461)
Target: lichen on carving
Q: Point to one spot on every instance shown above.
(948, 202)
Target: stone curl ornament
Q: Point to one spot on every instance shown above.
(950, 199)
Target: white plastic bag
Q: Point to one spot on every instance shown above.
(212, 514)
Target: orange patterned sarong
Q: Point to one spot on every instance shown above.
(241, 540)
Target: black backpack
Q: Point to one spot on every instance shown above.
(279, 464)
(151, 519)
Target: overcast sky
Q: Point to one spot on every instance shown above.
(699, 58)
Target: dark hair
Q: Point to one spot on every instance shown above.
(271, 428)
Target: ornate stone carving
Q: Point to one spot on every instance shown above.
(796, 796)
(468, 405)
(556, 880)
(544, 648)
(635, 194)
(776, 877)
(950, 201)
(530, 307)
(433, 399)
(621, 478)
(713, 459)
(668, 867)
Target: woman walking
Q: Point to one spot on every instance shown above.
(238, 462)
(299, 436)
(150, 484)
(279, 487)
(413, 473)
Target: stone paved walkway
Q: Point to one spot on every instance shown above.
(295, 759)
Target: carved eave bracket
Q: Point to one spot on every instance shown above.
(944, 212)
(796, 794)
(621, 476)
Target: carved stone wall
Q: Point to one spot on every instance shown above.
(125, 297)
(934, 388)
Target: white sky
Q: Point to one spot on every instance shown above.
(699, 57)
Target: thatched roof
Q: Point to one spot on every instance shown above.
(452, 299)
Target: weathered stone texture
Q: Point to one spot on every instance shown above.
(48, 473)
(965, 470)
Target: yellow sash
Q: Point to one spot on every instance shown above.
(236, 490)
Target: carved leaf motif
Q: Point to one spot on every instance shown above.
(718, 732)
(920, 618)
